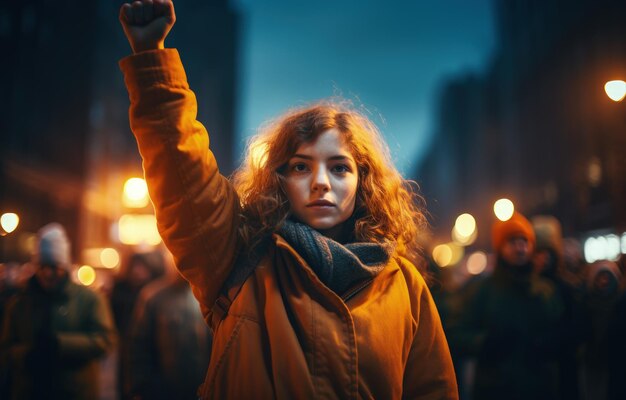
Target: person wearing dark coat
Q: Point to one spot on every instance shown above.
(55, 331)
(505, 324)
(140, 269)
(549, 264)
(602, 370)
(170, 344)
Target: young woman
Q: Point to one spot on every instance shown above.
(304, 265)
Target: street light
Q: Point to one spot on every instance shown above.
(134, 229)
(135, 193)
(616, 90)
(442, 254)
(503, 209)
(109, 258)
(86, 275)
(464, 231)
(447, 254)
(9, 222)
(476, 263)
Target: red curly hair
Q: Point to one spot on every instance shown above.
(388, 208)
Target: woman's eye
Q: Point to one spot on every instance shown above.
(300, 167)
(340, 169)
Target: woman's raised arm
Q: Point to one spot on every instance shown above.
(197, 208)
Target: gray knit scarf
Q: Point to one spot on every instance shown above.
(338, 266)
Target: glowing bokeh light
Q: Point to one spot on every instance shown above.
(476, 263)
(460, 240)
(503, 209)
(608, 247)
(9, 222)
(442, 254)
(465, 225)
(135, 193)
(109, 258)
(86, 275)
(137, 229)
(616, 90)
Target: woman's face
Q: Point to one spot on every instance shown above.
(321, 183)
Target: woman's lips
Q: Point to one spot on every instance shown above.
(320, 203)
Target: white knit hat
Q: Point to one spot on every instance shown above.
(53, 246)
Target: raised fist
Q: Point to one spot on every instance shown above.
(146, 23)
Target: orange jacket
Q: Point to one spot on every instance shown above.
(286, 335)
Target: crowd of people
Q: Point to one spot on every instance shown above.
(141, 336)
(542, 324)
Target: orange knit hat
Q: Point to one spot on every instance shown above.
(517, 225)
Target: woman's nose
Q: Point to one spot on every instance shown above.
(321, 180)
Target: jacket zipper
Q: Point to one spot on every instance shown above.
(352, 292)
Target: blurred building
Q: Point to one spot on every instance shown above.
(536, 126)
(65, 146)
(47, 66)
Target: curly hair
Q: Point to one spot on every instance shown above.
(388, 208)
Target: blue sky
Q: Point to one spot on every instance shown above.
(387, 56)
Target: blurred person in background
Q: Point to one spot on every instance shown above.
(506, 322)
(574, 265)
(55, 331)
(139, 269)
(170, 341)
(548, 260)
(604, 355)
(461, 289)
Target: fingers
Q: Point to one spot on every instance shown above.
(143, 12)
(126, 14)
(148, 10)
(137, 11)
(165, 8)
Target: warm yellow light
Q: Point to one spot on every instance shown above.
(9, 222)
(137, 229)
(135, 193)
(476, 263)
(503, 209)
(461, 240)
(465, 225)
(86, 275)
(442, 254)
(616, 90)
(29, 242)
(109, 258)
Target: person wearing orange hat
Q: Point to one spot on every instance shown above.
(505, 324)
(514, 241)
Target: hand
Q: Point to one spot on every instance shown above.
(146, 23)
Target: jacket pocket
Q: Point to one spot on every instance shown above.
(227, 347)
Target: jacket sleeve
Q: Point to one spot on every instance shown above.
(197, 209)
(429, 373)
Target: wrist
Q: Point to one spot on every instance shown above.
(139, 48)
